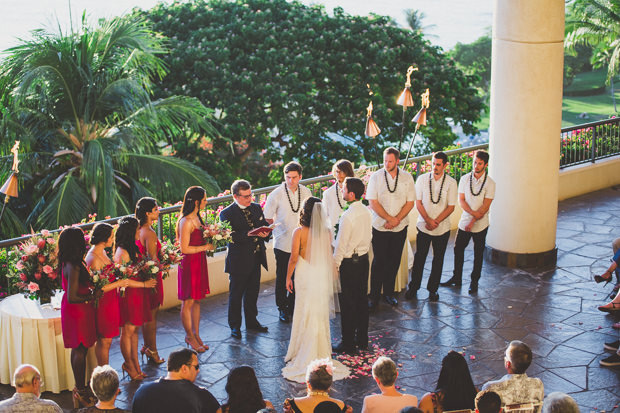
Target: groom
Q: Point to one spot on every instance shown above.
(244, 258)
(351, 256)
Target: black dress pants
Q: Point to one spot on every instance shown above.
(423, 243)
(353, 304)
(387, 248)
(284, 300)
(462, 240)
(244, 286)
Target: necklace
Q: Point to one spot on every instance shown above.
(291, 202)
(471, 185)
(317, 393)
(337, 197)
(395, 182)
(430, 187)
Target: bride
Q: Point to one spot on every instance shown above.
(316, 289)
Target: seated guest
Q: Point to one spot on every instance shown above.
(516, 387)
(455, 388)
(327, 407)
(384, 372)
(27, 381)
(319, 378)
(488, 402)
(558, 402)
(104, 383)
(176, 392)
(244, 393)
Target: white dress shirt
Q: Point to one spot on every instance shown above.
(278, 208)
(475, 202)
(447, 198)
(354, 232)
(331, 196)
(392, 202)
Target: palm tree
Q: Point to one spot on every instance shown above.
(93, 134)
(414, 20)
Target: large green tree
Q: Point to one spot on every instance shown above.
(289, 82)
(81, 102)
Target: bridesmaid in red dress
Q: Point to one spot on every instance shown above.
(134, 308)
(76, 309)
(147, 213)
(193, 272)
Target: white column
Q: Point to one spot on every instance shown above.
(525, 122)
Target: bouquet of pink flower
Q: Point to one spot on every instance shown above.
(99, 279)
(124, 271)
(169, 255)
(148, 270)
(217, 233)
(34, 270)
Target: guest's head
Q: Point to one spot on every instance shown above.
(104, 383)
(518, 357)
(242, 192)
(391, 157)
(126, 235)
(183, 365)
(410, 409)
(327, 407)
(319, 374)
(488, 401)
(102, 233)
(306, 211)
(27, 379)
(342, 169)
(353, 186)
(244, 394)
(194, 200)
(292, 175)
(384, 371)
(558, 402)
(146, 210)
(71, 246)
(483, 156)
(455, 383)
(440, 161)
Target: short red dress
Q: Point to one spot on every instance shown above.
(193, 271)
(108, 310)
(134, 305)
(78, 320)
(156, 298)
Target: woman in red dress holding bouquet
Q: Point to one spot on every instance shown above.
(193, 272)
(147, 212)
(134, 308)
(76, 309)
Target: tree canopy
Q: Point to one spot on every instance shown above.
(289, 81)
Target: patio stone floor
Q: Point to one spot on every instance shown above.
(554, 311)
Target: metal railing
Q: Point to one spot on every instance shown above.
(589, 142)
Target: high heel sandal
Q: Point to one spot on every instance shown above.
(151, 355)
(599, 279)
(206, 347)
(82, 398)
(135, 377)
(198, 348)
(609, 308)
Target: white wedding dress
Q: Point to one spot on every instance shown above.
(316, 301)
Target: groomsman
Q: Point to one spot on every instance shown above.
(332, 197)
(391, 195)
(476, 192)
(436, 193)
(351, 257)
(244, 257)
(282, 207)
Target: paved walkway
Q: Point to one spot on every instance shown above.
(554, 311)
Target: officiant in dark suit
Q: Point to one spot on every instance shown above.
(244, 257)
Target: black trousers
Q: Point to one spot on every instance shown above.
(353, 304)
(387, 248)
(284, 300)
(423, 243)
(244, 286)
(462, 240)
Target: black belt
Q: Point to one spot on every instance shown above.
(355, 259)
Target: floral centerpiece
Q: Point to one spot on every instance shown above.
(215, 232)
(34, 272)
(169, 255)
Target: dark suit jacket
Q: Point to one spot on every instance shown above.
(240, 252)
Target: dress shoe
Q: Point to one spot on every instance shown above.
(236, 333)
(473, 288)
(611, 361)
(433, 296)
(343, 348)
(257, 327)
(411, 293)
(390, 300)
(452, 281)
(613, 346)
(372, 304)
(284, 317)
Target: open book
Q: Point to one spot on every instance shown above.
(260, 230)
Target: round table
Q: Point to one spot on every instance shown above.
(33, 335)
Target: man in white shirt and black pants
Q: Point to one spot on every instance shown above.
(351, 257)
(476, 192)
(391, 195)
(436, 198)
(282, 207)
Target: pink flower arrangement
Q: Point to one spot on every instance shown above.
(169, 255)
(33, 287)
